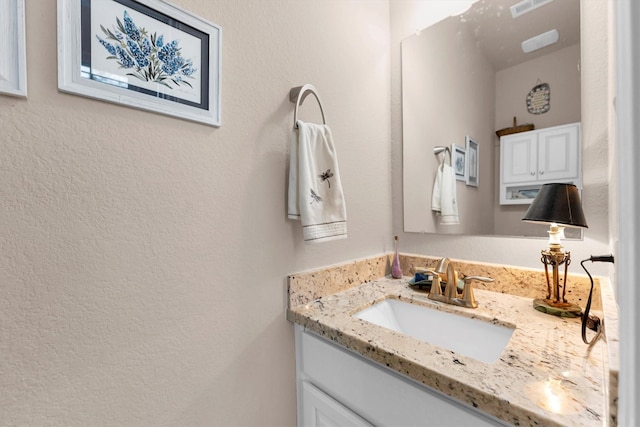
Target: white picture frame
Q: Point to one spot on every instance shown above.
(145, 54)
(13, 55)
(473, 162)
(458, 161)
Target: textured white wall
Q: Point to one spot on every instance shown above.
(596, 103)
(143, 258)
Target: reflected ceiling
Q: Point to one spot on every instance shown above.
(499, 34)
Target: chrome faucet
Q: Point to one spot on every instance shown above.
(450, 296)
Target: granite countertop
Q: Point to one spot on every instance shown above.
(545, 376)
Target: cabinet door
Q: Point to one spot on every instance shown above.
(558, 153)
(518, 157)
(320, 410)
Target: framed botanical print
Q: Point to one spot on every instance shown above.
(13, 57)
(146, 54)
(472, 176)
(458, 161)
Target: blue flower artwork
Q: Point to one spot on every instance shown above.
(145, 55)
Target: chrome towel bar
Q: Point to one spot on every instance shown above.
(298, 95)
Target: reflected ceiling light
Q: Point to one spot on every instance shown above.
(540, 41)
(526, 6)
(463, 7)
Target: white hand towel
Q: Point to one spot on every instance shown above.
(315, 190)
(443, 198)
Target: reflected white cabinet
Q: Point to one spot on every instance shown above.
(530, 159)
(336, 387)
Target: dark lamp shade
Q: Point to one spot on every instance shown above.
(557, 203)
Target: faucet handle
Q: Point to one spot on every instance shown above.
(468, 297)
(435, 281)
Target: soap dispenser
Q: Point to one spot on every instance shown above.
(396, 270)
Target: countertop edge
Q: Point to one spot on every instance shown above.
(433, 378)
(430, 376)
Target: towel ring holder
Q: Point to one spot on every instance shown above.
(444, 151)
(298, 95)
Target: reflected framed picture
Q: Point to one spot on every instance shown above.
(472, 176)
(458, 161)
(146, 54)
(13, 57)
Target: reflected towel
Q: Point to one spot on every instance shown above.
(443, 198)
(315, 190)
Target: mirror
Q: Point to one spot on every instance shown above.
(467, 76)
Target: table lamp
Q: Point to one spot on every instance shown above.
(559, 206)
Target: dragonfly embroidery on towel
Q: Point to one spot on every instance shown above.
(314, 197)
(326, 175)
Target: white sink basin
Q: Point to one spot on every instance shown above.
(474, 338)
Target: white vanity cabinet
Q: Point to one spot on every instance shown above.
(530, 159)
(336, 387)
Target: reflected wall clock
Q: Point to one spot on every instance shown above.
(538, 99)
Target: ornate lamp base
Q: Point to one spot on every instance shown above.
(562, 309)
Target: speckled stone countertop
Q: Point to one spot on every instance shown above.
(545, 376)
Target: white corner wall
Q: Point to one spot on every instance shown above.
(143, 258)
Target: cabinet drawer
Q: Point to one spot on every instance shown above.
(375, 393)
